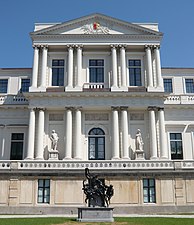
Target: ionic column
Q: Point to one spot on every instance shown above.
(158, 66)
(79, 66)
(78, 142)
(123, 67)
(35, 67)
(68, 132)
(149, 66)
(31, 135)
(162, 133)
(114, 66)
(153, 140)
(40, 136)
(43, 68)
(124, 130)
(70, 67)
(115, 133)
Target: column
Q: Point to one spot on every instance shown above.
(78, 137)
(70, 67)
(43, 68)
(40, 136)
(124, 130)
(153, 140)
(149, 66)
(31, 135)
(79, 66)
(35, 67)
(162, 133)
(114, 66)
(158, 66)
(68, 132)
(123, 67)
(115, 133)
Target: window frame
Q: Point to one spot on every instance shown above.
(24, 78)
(57, 56)
(16, 141)
(177, 140)
(172, 83)
(96, 67)
(135, 56)
(185, 86)
(148, 188)
(7, 79)
(43, 188)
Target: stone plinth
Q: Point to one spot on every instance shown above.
(139, 155)
(95, 214)
(53, 155)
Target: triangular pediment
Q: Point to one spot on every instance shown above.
(96, 24)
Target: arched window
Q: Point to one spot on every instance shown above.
(96, 144)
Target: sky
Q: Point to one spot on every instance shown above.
(175, 19)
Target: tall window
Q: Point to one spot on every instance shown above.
(3, 85)
(43, 191)
(189, 84)
(58, 72)
(25, 84)
(168, 85)
(96, 70)
(176, 146)
(96, 145)
(134, 66)
(17, 142)
(149, 193)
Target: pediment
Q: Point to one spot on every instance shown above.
(95, 24)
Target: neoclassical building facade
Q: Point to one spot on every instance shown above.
(97, 84)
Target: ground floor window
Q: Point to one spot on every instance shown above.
(149, 194)
(17, 142)
(43, 191)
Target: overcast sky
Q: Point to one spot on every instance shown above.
(175, 18)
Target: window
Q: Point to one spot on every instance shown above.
(149, 194)
(3, 85)
(168, 85)
(58, 72)
(96, 71)
(96, 147)
(134, 72)
(17, 141)
(25, 84)
(176, 146)
(43, 191)
(189, 84)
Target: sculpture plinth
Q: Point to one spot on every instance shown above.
(53, 155)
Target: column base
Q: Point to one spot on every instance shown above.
(67, 158)
(154, 158)
(164, 158)
(29, 159)
(155, 89)
(69, 88)
(114, 88)
(78, 88)
(115, 158)
(126, 158)
(39, 159)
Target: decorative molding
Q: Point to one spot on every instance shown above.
(96, 117)
(95, 28)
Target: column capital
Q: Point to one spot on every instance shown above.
(40, 109)
(44, 46)
(114, 46)
(122, 108)
(148, 47)
(122, 46)
(70, 46)
(78, 108)
(160, 108)
(115, 108)
(69, 108)
(36, 46)
(156, 47)
(152, 108)
(79, 46)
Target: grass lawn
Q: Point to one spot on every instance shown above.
(118, 221)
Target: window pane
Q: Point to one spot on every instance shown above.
(168, 85)
(96, 70)
(3, 85)
(40, 183)
(189, 85)
(58, 72)
(134, 67)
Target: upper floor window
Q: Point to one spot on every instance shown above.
(189, 84)
(17, 141)
(43, 191)
(168, 85)
(176, 146)
(96, 70)
(58, 72)
(3, 85)
(134, 66)
(25, 84)
(149, 193)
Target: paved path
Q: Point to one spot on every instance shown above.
(116, 215)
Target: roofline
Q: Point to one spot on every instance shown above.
(15, 68)
(191, 68)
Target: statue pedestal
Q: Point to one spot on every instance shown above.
(53, 155)
(139, 155)
(95, 214)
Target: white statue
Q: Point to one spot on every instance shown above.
(54, 140)
(139, 141)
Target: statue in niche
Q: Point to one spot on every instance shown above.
(139, 141)
(54, 140)
(97, 193)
